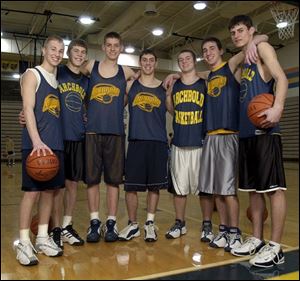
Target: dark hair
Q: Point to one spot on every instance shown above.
(246, 20)
(112, 35)
(148, 52)
(188, 51)
(77, 42)
(53, 38)
(212, 39)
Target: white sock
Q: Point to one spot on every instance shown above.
(24, 235)
(42, 230)
(94, 215)
(67, 220)
(112, 218)
(150, 217)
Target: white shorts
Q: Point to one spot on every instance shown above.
(185, 169)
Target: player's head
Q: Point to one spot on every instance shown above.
(186, 60)
(77, 51)
(112, 45)
(241, 30)
(212, 51)
(53, 50)
(148, 61)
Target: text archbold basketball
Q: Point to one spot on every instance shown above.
(257, 105)
(42, 168)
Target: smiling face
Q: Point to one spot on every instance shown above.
(148, 63)
(77, 55)
(53, 52)
(186, 62)
(212, 54)
(112, 48)
(241, 35)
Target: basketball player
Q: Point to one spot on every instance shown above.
(261, 165)
(147, 155)
(72, 86)
(42, 133)
(219, 162)
(105, 135)
(186, 100)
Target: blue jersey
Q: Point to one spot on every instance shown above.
(106, 103)
(147, 108)
(47, 115)
(188, 103)
(252, 85)
(222, 100)
(73, 88)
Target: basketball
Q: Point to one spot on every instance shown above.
(249, 215)
(257, 105)
(42, 168)
(35, 224)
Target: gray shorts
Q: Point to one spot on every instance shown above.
(219, 165)
(184, 168)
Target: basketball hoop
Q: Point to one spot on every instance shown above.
(284, 14)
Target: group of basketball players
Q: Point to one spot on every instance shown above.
(212, 138)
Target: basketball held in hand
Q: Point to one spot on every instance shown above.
(257, 105)
(42, 168)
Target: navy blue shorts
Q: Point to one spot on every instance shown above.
(146, 166)
(29, 184)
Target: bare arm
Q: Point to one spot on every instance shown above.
(269, 57)
(129, 84)
(169, 102)
(28, 86)
(87, 67)
(129, 73)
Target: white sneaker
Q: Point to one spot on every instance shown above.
(25, 253)
(150, 231)
(234, 240)
(70, 235)
(177, 230)
(250, 247)
(268, 256)
(207, 234)
(47, 246)
(130, 231)
(220, 240)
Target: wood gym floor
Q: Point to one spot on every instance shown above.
(185, 258)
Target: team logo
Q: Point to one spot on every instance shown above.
(73, 102)
(146, 101)
(104, 93)
(52, 105)
(215, 85)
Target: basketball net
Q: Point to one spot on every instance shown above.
(282, 13)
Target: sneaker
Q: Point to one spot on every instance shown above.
(176, 230)
(47, 246)
(234, 240)
(111, 231)
(93, 234)
(250, 247)
(55, 234)
(70, 235)
(207, 234)
(25, 253)
(130, 231)
(150, 232)
(268, 256)
(220, 240)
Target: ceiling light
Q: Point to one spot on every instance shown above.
(67, 42)
(200, 5)
(86, 20)
(157, 31)
(16, 75)
(199, 59)
(282, 24)
(129, 49)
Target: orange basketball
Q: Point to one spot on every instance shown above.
(35, 223)
(42, 168)
(249, 215)
(258, 104)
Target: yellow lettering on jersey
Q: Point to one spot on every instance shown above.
(248, 74)
(188, 117)
(192, 96)
(104, 93)
(146, 101)
(71, 87)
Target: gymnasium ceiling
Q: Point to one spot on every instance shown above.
(129, 19)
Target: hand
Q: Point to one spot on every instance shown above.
(40, 147)
(170, 79)
(273, 116)
(22, 120)
(251, 55)
(137, 75)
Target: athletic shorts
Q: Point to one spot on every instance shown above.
(184, 170)
(146, 166)
(107, 153)
(74, 160)
(219, 165)
(29, 184)
(261, 164)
